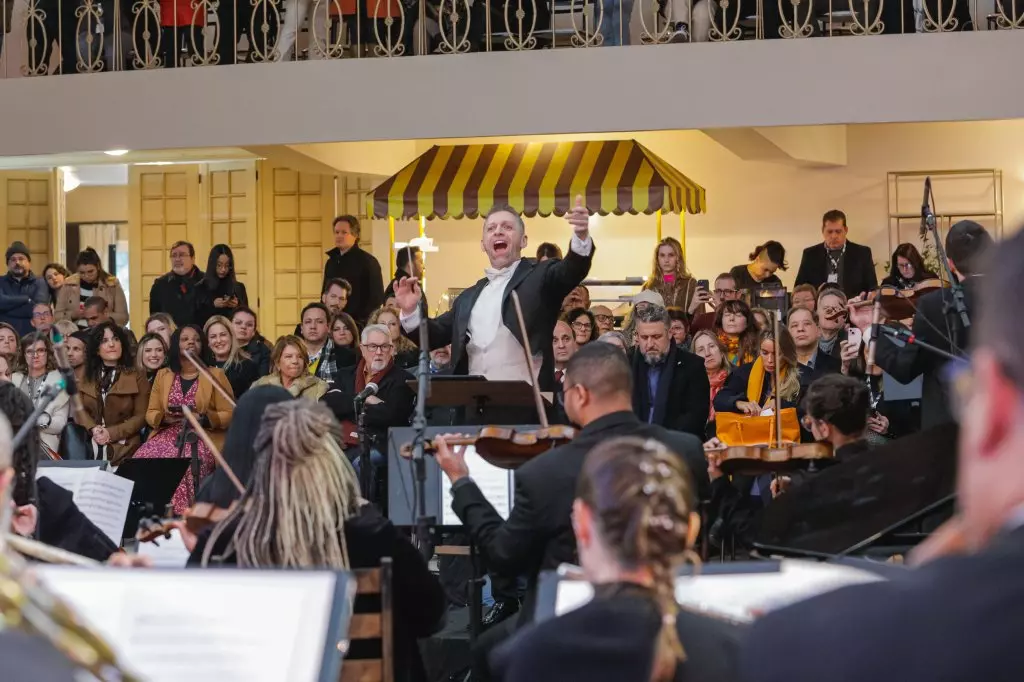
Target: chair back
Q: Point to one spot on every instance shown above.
(373, 625)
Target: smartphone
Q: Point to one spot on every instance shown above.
(703, 284)
(176, 409)
(854, 336)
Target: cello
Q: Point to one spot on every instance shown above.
(777, 455)
(504, 447)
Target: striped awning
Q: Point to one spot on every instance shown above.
(536, 178)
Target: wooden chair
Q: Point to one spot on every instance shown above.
(376, 625)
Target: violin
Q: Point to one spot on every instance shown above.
(897, 304)
(504, 447)
(199, 517)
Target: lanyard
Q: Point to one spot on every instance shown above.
(835, 261)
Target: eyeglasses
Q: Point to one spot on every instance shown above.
(604, 318)
(582, 326)
(32, 352)
(42, 315)
(378, 347)
(725, 292)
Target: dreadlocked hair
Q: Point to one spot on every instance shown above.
(301, 492)
(17, 407)
(641, 496)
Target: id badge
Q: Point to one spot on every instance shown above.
(833, 278)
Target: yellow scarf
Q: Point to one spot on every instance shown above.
(756, 382)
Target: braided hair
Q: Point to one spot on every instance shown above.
(301, 492)
(641, 496)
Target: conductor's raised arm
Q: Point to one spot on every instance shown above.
(566, 274)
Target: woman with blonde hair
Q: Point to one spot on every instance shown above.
(749, 389)
(669, 276)
(162, 324)
(289, 368)
(228, 355)
(635, 524)
(707, 346)
(302, 509)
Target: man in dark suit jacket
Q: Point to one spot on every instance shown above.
(968, 575)
(837, 260)
(966, 245)
(670, 385)
(482, 326)
(538, 533)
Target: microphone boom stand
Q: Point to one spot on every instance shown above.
(365, 465)
(419, 425)
(958, 308)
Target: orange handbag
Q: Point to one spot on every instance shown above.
(733, 428)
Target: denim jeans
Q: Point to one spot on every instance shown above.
(615, 22)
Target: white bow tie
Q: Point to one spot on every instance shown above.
(503, 273)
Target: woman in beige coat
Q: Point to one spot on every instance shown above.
(90, 280)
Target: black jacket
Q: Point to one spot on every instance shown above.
(395, 408)
(735, 389)
(541, 288)
(241, 375)
(389, 291)
(17, 296)
(62, 525)
(360, 269)
(538, 533)
(823, 364)
(419, 602)
(683, 398)
(612, 639)
(177, 296)
(956, 619)
(908, 362)
(857, 269)
(259, 351)
(205, 296)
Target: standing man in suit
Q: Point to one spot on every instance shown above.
(481, 326)
(670, 386)
(968, 245)
(837, 260)
(538, 533)
(177, 292)
(357, 267)
(968, 574)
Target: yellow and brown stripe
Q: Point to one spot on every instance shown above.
(614, 176)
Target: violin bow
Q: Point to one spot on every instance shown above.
(205, 371)
(221, 462)
(541, 414)
(775, 378)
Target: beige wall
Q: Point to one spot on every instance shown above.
(97, 205)
(750, 202)
(952, 76)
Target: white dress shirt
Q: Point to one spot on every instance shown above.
(494, 352)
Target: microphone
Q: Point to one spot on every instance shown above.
(927, 217)
(66, 372)
(371, 389)
(876, 320)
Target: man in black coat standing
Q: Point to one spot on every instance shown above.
(967, 246)
(670, 385)
(957, 616)
(837, 260)
(482, 326)
(177, 292)
(538, 533)
(357, 267)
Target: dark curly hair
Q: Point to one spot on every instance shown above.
(17, 406)
(93, 362)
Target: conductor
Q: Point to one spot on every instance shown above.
(481, 326)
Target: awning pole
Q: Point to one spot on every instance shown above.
(391, 244)
(682, 232)
(423, 255)
(657, 221)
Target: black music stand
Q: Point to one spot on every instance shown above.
(498, 402)
(155, 482)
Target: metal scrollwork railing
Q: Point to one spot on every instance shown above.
(1013, 20)
(723, 28)
(664, 23)
(264, 30)
(863, 22)
(37, 63)
(802, 25)
(331, 45)
(453, 22)
(146, 35)
(388, 46)
(204, 51)
(586, 27)
(89, 30)
(943, 19)
(518, 40)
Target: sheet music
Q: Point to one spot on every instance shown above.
(227, 625)
(740, 596)
(166, 552)
(494, 483)
(100, 495)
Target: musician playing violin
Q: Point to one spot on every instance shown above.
(538, 535)
(907, 268)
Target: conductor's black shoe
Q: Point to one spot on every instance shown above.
(502, 610)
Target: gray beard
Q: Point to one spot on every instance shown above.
(654, 358)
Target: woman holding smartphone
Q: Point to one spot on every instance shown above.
(181, 385)
(221, 292)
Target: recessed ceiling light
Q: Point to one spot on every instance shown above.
(117, 152)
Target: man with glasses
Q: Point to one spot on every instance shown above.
(390, 406)
(725, 290)
(175, 292)
(604, 317)
(42, 317)
(20, 290)
(956, 616)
